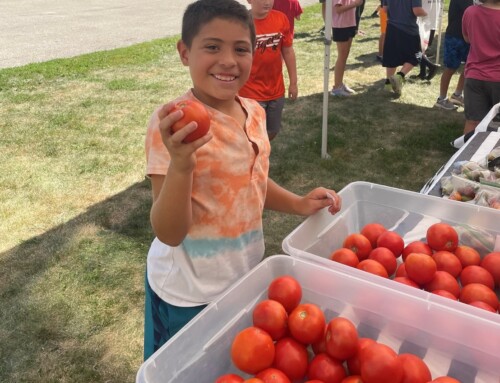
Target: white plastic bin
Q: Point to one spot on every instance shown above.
(452, 341)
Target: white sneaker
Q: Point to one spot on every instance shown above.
(340, 92)
(397, 82)
(347, 89)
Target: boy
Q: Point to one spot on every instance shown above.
(455, 53)
(274, 45)
(209, 194)
(402, 40)
(292, 10)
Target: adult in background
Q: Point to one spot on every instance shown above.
(292, 10)
(455, 52)
(481, 28)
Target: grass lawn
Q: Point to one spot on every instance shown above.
(74, 203)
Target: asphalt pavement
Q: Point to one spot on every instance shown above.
(41, 30)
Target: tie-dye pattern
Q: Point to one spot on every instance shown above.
(229, 188)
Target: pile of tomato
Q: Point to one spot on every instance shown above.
(440, 264)
(290, 341)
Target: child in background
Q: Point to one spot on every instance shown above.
(383, 27)
(455, 52)
(481, 28)
(209, 194)
(274, 45)
(402, 40)
(291, 8)
(343, 30)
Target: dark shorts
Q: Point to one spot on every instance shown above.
(479, 98)
(162, 320)
(343, 34)
(400, 47)
(455, 51)
(274, 110)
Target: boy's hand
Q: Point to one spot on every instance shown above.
(182, 154)
(293, 91)
(320, 198)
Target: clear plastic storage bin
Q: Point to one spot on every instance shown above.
(451, 341)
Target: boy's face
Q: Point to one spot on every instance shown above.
(219, 60)
(260, 8)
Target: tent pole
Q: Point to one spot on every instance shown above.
(440, 25)
(326, 71)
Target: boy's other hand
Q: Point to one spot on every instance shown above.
(293, 91)
(320, 198)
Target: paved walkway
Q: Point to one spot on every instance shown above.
(35, 31)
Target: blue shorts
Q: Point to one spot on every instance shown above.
(455, 51)
(162, 320)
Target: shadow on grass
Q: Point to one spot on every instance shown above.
(64, 293)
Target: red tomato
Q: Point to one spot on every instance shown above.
(352, 379)
(491, 262)
(341, 338)
(401, 271)
(373, 267)
(416, 247)
(380, 364)
(326, 369)
(193, 111)
(478, 292)
(406, 281)
(345, 256)
(477, 274)
(320, 346)
(271, 317)
(441, 236)
(468, 256)
(229, 378)
(447, 261)
(393, 241)
(292, 358)
(414, 369)
(372, 231)
(386, 258)
(420, 268)
(445, 293)
(359, 244)
(484, 306)
(445, 379)
(443, 281)
(252, 350)
(286, 290)
(273, 375)
(353, 362)
(307, 323)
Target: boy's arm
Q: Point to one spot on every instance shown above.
(291, 66)
(419, 11)
(341, 8)
(171, 212)
(280, 199)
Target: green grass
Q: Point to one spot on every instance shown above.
(74, 204)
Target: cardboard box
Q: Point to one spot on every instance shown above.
(451, 341)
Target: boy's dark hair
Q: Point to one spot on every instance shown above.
(201, 12)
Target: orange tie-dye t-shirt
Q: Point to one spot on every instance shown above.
(228, 194)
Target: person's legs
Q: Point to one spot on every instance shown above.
(343, 49)
(274, 111)
(477, 102)
(445, 82)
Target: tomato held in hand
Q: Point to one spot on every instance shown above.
(286, 290)
(252, 350)
(441, 236)
(307, 323)
(193, 111)
(271, 317)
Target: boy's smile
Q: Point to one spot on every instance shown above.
(219, 60)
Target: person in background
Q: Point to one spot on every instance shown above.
(383, 27)
(291, 8)
(209, 194)
(343, 31)
(402, 40)
(455, 53)
(273, 46)
(481, 29)
(427, 26)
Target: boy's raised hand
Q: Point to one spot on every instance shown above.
(182, 154)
